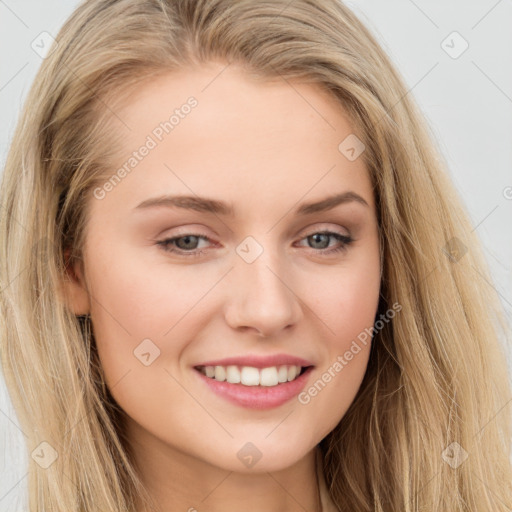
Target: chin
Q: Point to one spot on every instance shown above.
(267, 455)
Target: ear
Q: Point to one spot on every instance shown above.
(73, 290)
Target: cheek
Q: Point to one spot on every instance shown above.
(346, 303)
(136, 298)
(347, 298)
(144, 316)
(141, 308)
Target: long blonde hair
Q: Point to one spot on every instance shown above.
(436, 386)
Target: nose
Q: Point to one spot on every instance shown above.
(261, 298)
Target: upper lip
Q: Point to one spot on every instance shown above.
(257, 361)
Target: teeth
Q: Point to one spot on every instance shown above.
(220, 373)
(268, 376)
(232, 374)
(292, 372)
(282, 374)
(250, 376)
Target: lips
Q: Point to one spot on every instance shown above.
(259, 382)
(258, 361)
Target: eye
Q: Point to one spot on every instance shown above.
(185, 244)
(320, 240)
(188, 244)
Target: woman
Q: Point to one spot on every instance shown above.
(234, 271)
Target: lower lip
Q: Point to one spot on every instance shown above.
(257, 397)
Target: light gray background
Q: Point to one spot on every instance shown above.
(467, 102)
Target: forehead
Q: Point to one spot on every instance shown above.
(217, 132)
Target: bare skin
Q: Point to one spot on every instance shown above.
(265, 149)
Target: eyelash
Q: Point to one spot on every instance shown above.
(166, 244)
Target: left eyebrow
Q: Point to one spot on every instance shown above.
(329, 203)
(203, 204)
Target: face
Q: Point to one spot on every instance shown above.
(241, 243)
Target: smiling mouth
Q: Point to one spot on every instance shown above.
(251, 376)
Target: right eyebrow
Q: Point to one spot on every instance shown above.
(200, 204)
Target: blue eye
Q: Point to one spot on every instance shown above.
(187, 245)
(170, 244)
(322, 236)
